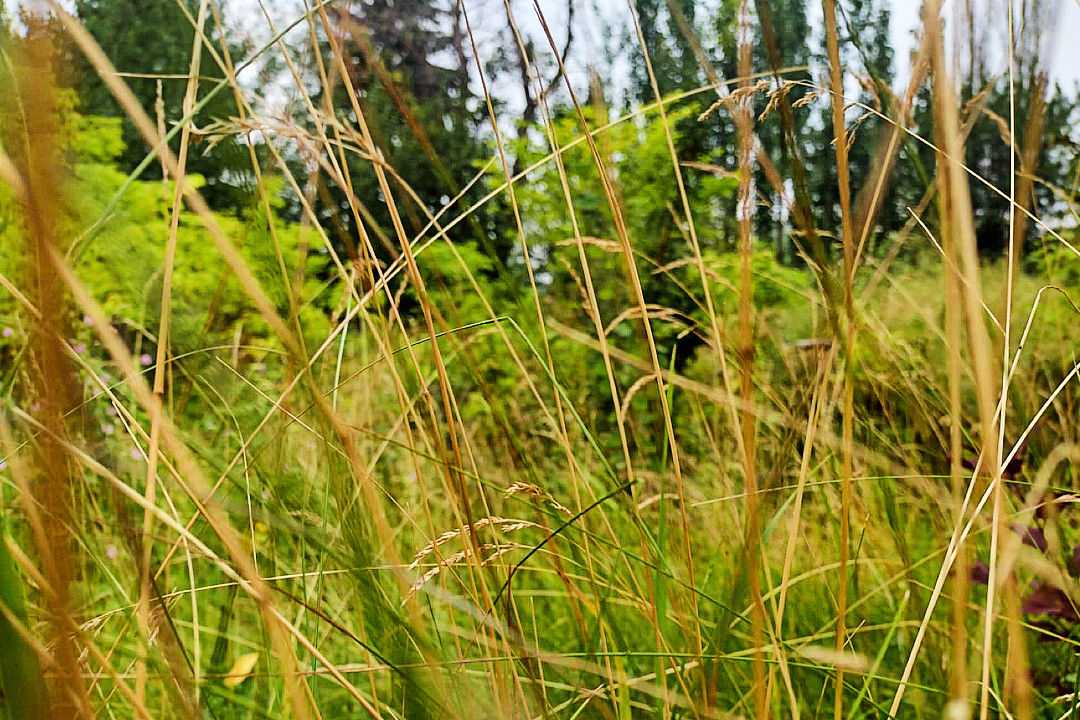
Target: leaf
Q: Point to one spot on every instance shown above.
(241, 669)
(22, 685)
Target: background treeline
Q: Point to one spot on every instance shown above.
(425, 98)
(412, 68)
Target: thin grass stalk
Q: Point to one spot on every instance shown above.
(606, 353)
(384, 532)
(611, 195)
(1017, 679)
(160, 371)
(1030, 152)
(959, 694)
(803, 210)
(869, 200)
(840, 144)
(752, 522)
(455, 477)
(542, 325)
(625, 246)
(824, 371)
(593, 306)
(52, 374)
(405, 107)
(710, 308)
(457, 481)
(288, 282)
(982, 357)
(380, 522)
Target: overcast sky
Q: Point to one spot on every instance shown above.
(1065, 65)
(600, 26)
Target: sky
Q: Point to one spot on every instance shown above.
(1065, 66)
(599, 26)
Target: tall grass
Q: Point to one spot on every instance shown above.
(390, 528)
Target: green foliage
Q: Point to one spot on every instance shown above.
(775, 285)
(22, 684)
(208, 301)
(98, 139)
(127, 30)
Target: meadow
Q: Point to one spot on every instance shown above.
(596, 431)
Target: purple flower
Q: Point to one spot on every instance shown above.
(980, 573)
(88, 320)
(3, 464)
(79, 348)
(8, 332)
(108, 428)
(145, 359)
(1049, 600)
(111, 552)
(110, 411)
(1033, 537)
(137, 454)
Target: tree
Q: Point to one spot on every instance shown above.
(672, 56)
(151, 42)
(866, 54)
(422, 114)
(1044, 116)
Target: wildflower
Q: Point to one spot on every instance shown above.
(145, 359)
(8, 332)
(110, 411)
(79, 348)
(137, 454)
(108, 428)
(111, 552)
(1049, 600)
(87, 320)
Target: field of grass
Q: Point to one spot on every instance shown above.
(247, 476)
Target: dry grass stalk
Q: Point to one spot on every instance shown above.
(537, 493)
(494, 552)
(739, 97)
(36, 162)
(505, 525)
(836, 86)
